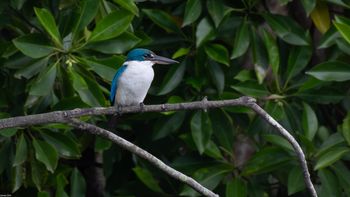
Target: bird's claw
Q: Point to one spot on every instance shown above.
(142, 107)
(119, 111)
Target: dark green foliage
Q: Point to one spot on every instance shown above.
(293, 56)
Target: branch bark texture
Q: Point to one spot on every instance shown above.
(70, 116)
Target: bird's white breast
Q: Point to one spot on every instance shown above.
(134, 83)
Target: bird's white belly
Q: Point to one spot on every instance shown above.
(134, 83)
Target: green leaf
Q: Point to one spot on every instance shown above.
(192, 11)
(46, 154)
(49, 24)
(323, 95)
(309, 122)
(33, 68)
(329, 184)
(320, 17)
(344, 30)
(44, 82)
(266, 160)
(118, 45)
(295, 181)
(298, 59)
(87, 11)
(8, 132)
(201, 130)
(21, 151)
(217, 11)
(331, 71)
(102, 144)
(217, 75)
(204, 32)
(236, 188)
(78, 184)
(209, 177)
(17, 174)
(287, 29)
(80, 85)
(61, 182)
(128, 5)
(173, 78)
(213, 151)
(38, 173)
(251, 88)
(162, 19)
(308, 6)
(343, 174)
(181, 52)
(279, 141)
(170, 125)
(65, 145)
(102, 68)
(331, 156)
(146, 177)
(242, 40)
(223, 129)
(111, 26)
(33, 45)
(329, 38)
(217, 53)
(346, 128)
(273, 52)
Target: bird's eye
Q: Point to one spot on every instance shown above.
(149, 55)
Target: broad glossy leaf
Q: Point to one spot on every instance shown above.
(162, 19)
(331, 71)
(331, 156)
(320, 17)
(217, 11)
(48, 22)
(21, 151)
(346, 128)
(181, 52)
(204, 32)
(128, 5)
(61, 182)
(295, 180)
(266, 160)
(201, 130)
(8, 132)
(111, 26)
(329, 38)
(217, 75)
(236, 188)
(329, 141)
(87, 11)
(44, 82)
(102, 144)
(308, 5)
(104, 70)
(329, 183)
(213, 151)
(31, 69)
(273, 52)
(259, 55)
(118, 45)
(38, 173)
(173, 78)
(33, 45)
(43, 194)
(17, 175)
(244, 75)
(344, 30)
(309, 122)
(298, 59)
(223, 129)
(217, 53)
(287, 29)
(242, 40)
(192, 11)
(46, 154)
(78, 184)
(343, 45)
(65, 145)
(343, 174)
(279, 141)
(169, 126)
(146, 177)
(342, 3)
(251, 88)
(323, 95)
(209, 177)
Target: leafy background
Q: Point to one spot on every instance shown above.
(291, 55)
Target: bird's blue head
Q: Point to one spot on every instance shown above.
(148, 55)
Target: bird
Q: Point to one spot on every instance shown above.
(133, 79)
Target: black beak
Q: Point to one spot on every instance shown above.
(162, 60)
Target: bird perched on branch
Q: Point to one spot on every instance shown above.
(133, 79)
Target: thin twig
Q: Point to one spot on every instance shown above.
(63, 116)
(143, 154)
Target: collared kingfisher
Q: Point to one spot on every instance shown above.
(133, 79)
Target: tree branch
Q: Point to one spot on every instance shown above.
(70, 115)
(143, 154)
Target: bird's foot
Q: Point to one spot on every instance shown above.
(119, 110)
(142, 107)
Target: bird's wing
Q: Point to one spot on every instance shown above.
(115, 83)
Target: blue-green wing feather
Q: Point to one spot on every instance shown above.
(114, 86)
